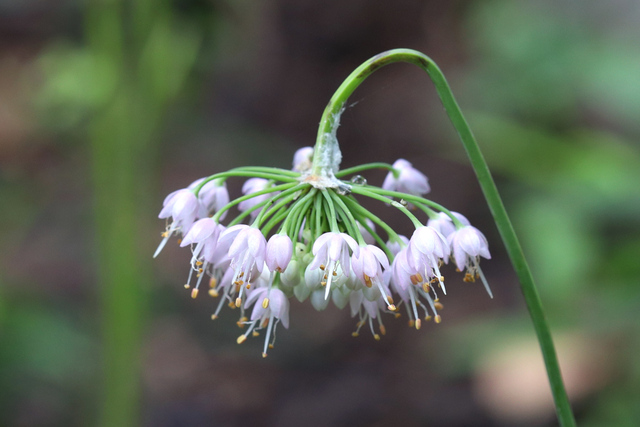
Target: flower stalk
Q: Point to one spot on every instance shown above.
(487, 184)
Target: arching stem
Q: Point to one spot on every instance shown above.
(327, 145)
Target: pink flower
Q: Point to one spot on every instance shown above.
(212, 197)
(302, 159)
(426, 248)
(270, 306)
(410, 284)
(468, 244)
(409, 179)
(445, 225)
(247, 252)
(367, 265)
(278, 253)
(331, 251)
(182, 206)
(253, 185)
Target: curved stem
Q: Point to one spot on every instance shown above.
(512, 245)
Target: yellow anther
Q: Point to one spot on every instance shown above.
(214, 293)
(241, 322)
(265, 303)
(419, 277)
(238, 302)
(383, 330)
(322, 267)
(194, 293)
(214, 317)
(354, 334)
(411, 323)
(248, 286)
(397, 315)
(426, 287)
(270, 346)
(438, 305)
(232, 304)
(376, 337)
(200, 270)
(198, 262)
(241, 274)
(323, 283)
(241, 339)
(164, 234)
(179, 241)
(414, 280)
(427, 318)
(255, 333)
(418, 323)
(186, 286)
(360, 324)
(392, 307)
(438, 319)
(238, 283)
(213, 282)
(367, 281)
(265, 323)
(264, 355)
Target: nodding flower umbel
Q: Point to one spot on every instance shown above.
(306, 236)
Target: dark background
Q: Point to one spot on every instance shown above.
(107, 106)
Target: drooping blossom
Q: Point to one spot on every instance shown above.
(468, 244)
(410, 285)
(253, 185)
(247, 254)
(302, 159)
(212, 197)
(182, 207)
(278, 253)
(367, 264)
(409, 180)
(270, 305)
(331, 250)
(427, 248)
(445, 225)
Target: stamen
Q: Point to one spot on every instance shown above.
(213, 292)
(265, 303)
(484, 282)
(266, 338)
(194, 293)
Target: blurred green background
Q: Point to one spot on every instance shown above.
(107, 106)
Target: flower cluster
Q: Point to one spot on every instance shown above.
(298, 235)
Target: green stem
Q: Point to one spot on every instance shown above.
(360, 168)
(512, 245)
